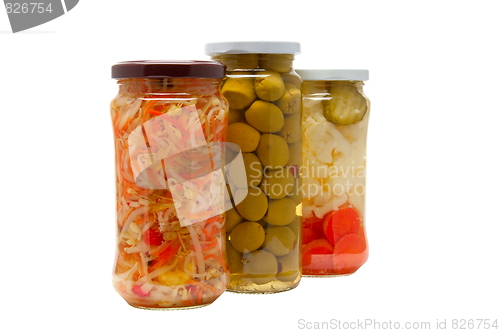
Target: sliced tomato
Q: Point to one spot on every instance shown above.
(317, 246)
(349, 254)
(339, 223)
(310, 234)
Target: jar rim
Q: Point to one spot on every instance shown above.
(168, 68)
(272, 47)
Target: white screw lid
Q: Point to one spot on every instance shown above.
(252, 47)
(333, 74)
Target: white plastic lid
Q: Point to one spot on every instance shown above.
(252, 47)
(333, 74)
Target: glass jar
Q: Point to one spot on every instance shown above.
(169, 119)
(335, 120)
(263, 228)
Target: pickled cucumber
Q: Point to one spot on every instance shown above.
(253, 169)
(239, 92)
(234, 258)
(288, 266)
(245, 136)
(280, 212)
(291, 130)
(279, 240)
(290, 102)
(277, 184)
(265, 116)
(272, 151)
(254, 206)
(269, 86)
(232, 219)
(260, 266)
(346, 106)
(247, 237)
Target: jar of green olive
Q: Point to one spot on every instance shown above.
(263, 228)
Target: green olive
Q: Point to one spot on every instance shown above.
(290, 102)
(289, 266)
(234, 258)
(280, 212)
(260, 266)
(278, 183)
(265, 116)
(279, 240)
(291, 130)
(239, 92)
(269, 86)
(253, 169)
(272, 151)
(232, 219)
(247, 237)
(296, 226)
(295, 158)
(235, 116)
(254, 205)
(292, 78)
(245, 136)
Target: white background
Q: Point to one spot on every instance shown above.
(433, 170)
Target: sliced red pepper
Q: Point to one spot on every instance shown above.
(153, 237)
(166, 255)
(339, 223)
(138, 291)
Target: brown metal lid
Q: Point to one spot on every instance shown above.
(168, 68)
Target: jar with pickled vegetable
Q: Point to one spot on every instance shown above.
(169, 120)
(263, 230)
(334, 120)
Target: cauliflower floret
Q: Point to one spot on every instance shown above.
(323, 139)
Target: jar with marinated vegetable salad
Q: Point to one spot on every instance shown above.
(263, 228)
(169, 122)
(335, 122)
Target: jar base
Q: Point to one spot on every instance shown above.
(168, 309)
(325, 275)
(264, 291)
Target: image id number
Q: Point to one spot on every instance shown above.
(463, 324)
(31, 7)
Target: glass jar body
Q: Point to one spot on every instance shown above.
(335, 121)
(164, 129)
(263, 243)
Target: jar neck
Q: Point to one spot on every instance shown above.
(256, 61)
(146, 86)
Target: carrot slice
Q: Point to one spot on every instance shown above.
(318, 246)
(309, 234)
(339, 223)
(349, 254)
